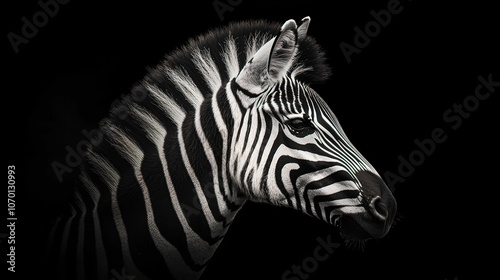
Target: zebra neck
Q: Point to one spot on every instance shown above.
(205, 136)
(164, 199)
(197, 160)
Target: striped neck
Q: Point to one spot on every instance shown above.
(209, 199)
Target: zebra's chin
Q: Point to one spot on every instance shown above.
(352, 230)
(358, 227)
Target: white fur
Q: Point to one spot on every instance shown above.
(169, 107)
(185, 84)
(230, 56)
(206, 65)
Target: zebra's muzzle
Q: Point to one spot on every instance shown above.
(379, 209)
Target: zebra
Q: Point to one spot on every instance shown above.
(229, 117)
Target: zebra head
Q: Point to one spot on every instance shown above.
(288, 148)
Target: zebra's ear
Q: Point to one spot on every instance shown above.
(271, 62)
(303, 26)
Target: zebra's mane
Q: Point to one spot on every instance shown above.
(199, 68)
(187, 76)
(245, 38)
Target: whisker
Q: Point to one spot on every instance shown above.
(356, 245)
(397, 219)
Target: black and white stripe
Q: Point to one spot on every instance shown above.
(226, 118)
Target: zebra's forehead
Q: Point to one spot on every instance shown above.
(292, 97)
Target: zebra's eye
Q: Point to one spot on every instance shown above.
(297, 124)
(300, 126)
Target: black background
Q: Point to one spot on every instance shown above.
(393, 92)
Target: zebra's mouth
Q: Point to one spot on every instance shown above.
(349, 228)
(352, 230)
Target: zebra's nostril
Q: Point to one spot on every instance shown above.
(378, 208)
